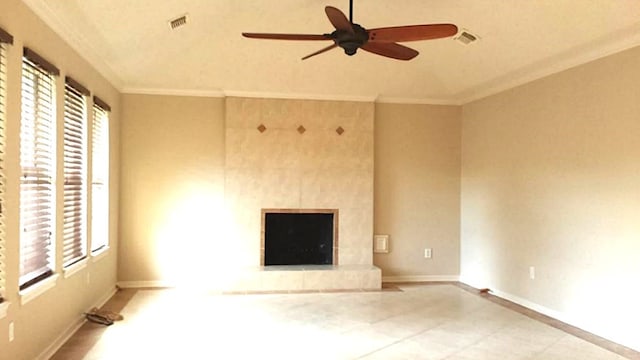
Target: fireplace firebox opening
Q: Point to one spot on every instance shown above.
(299, 237)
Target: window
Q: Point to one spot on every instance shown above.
(74, 242)
(37, 134)
(5, 38)
(100, 176)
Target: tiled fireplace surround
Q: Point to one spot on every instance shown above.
(300, 154)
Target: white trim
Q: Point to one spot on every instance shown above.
(71, 329)
(38, 289)
(558, 315)
(531, 305)
(4, 308)
(174, 92)
(145, 284)
(75, 268)
(76, 40)
(100, 254)
(553, 65)
(269, 95)
(294, 96)
(545, 67)
(420, 278)
(567, 319)
(416, 101)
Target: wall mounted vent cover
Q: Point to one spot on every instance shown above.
(177, 22)
(465, 37)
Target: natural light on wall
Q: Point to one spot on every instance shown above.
(189, 237)
(595, 291)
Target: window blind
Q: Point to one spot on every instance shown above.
(74, 244)
(4, 38)
(100, 176)
(37, 134)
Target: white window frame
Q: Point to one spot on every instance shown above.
(38, 164)
(74, 241)
(100, 178)
(5, 38)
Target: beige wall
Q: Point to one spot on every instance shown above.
(175, 158)
(40, 322)
(417, 189)
(172, 188)
(550, 179)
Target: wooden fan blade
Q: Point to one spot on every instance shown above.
(321, 51)
(286, 36)
(412, 33)
(391, 50)
(338, 19)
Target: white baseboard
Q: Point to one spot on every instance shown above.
(550, 312)
(420, 278)
(69, 331)
(144, 284)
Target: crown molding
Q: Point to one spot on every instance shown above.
(619, 41)
(75, 40)
(416, 101)
(174, 92)
(301, 96)
(273, 95)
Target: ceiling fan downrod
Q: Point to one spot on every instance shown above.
(351, 11)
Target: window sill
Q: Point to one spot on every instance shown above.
(100, 254)
(4, 307)
(38, 289)
(75, 268)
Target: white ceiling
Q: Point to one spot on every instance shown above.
(131, 44)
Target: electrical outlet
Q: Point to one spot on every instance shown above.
(532, 272)
(11, 335)
(427, 253)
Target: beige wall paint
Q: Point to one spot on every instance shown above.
(40, 322)
(417, 188)
(172, 188)
(550, 179)
(175, 149)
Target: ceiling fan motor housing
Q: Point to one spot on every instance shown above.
(350, 42)
(380, 41)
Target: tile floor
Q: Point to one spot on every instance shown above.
(426, 321)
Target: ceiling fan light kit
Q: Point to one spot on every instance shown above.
(381, 41)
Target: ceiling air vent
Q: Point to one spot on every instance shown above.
(177, 22)
(466, 38)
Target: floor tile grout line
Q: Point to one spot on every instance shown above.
(554, 343)
(398, 341)
(469, 309)
(587, 336)
(476, 342)
(430, 329)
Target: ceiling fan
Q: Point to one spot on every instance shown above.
(381, 41)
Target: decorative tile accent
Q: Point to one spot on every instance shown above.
(262, 128)
(294, 170)
(340, 130)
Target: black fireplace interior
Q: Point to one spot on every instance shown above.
(298, 239)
